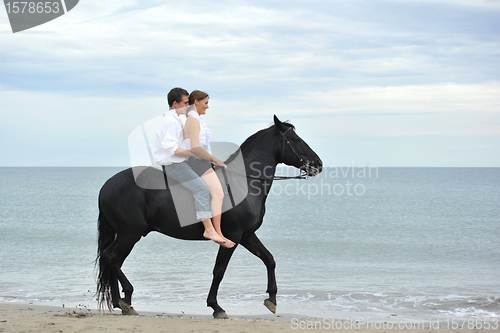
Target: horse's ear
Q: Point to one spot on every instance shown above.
(277, 122)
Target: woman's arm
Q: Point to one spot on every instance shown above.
(192, 131)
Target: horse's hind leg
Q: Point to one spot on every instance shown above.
(255, 246)
(223, 257)
(116, 255)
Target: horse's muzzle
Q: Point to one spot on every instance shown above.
(313, 168)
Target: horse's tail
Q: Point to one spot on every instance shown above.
(106, 237)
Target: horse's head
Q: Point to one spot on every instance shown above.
(295, 151)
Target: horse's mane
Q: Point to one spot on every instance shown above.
(255, 138)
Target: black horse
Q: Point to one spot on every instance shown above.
(128, 212)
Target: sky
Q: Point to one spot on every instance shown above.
(413, 83)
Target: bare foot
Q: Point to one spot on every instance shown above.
(227, 241)
(211, 234)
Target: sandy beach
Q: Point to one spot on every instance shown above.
(37, 318)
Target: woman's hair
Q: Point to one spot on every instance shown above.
(197, 95)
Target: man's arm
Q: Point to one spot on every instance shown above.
(170, 144)
(183, 152)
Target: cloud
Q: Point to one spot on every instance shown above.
(40, 128)
(488, 4)
(412, 98)
(366, 69)
(56, 129)
(242, 48)
(386, 112)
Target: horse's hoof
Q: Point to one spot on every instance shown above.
(127, 309)
(270, 305)
(220, 315)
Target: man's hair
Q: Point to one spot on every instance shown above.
(175, 95)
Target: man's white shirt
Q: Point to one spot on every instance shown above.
(169, 137)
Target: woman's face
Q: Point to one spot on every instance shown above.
(202, 105)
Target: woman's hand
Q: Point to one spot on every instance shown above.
(218, 162)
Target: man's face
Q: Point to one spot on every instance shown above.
(183, 103)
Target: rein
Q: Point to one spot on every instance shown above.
(303, 175)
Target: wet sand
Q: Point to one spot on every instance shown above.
(36, 318)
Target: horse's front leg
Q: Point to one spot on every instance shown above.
(221, 263)
(254, 245)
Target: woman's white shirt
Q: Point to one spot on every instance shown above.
(205, 133)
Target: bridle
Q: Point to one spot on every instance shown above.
(303, 169)
(286, 141)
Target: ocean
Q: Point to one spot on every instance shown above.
(352, 241)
